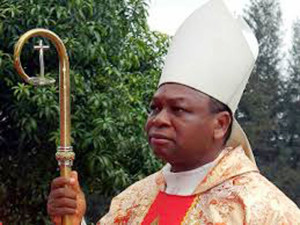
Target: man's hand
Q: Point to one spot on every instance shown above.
(66, 198)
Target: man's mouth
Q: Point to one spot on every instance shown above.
(159, 139)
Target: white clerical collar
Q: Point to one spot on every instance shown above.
(184, 183)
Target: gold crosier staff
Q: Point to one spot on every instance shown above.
(64, 154)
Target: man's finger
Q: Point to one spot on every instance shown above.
(63, 203)
(62, 193)
(59, 182)
(74, 181)
(56, 206)
(61, 211)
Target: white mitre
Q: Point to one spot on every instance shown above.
(214, 52)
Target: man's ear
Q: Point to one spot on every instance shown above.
(222, 123)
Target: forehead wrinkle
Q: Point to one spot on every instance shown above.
(196, 98)
(180, 93)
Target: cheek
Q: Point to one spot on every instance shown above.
(148, 124)
(194, 134)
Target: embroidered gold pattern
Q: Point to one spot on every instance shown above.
(233, 192)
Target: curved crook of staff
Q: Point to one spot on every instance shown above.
(64, 154)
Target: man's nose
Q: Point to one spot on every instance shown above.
(161, 119)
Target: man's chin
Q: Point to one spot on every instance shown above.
(163, 153)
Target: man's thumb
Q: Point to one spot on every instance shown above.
(74, 181)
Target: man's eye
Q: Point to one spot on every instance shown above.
(178, 109)
(152, 109)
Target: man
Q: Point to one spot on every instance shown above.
(211, 176)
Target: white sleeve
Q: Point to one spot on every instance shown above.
(83, 222)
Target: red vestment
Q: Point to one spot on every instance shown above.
(168, 209)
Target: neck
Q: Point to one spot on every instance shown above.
(194, 163)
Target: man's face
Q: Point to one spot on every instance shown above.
(180, 125)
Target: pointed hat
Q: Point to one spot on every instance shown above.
(214, 52)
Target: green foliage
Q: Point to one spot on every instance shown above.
(259, 106)
(115, 62)
(269, 111)
(291, 117)
(290, 124)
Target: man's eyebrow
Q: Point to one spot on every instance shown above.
(177, 99)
